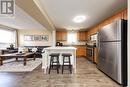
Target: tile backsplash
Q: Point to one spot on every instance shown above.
(76, 43)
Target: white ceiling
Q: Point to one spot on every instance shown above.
(21, 20)
(62, 12)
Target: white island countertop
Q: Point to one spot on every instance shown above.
(64, 48)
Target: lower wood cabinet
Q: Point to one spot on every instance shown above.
(81, 51)
(95, 55)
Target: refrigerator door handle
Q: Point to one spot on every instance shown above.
(98, 43)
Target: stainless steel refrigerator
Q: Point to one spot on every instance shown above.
(112, 51)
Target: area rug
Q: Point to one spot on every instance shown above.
(12, 65)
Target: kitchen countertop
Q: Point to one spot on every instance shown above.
(91, 46)
(72, 45)
(51, 48)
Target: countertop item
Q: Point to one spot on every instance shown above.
(59, 44)
(72, 45)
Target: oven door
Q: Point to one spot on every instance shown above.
(89, 54)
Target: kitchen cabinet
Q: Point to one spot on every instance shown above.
(61, 35)
(92, 31)
(81, 51)
(120, 15)
(58, 35)
(125, 14)
(95, 55)
(82, 35)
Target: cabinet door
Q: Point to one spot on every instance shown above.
(95, 55)
(78, 52)
(81, 51)
(64, 35)
(61, 35)
(58, 35)
(82, 35)
(79, 36)
(125, 14)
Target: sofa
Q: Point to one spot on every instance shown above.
(6, 51)
(39, 51)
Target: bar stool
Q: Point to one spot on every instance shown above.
(67, 56)
(54, 60)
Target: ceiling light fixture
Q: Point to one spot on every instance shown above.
(79, 19)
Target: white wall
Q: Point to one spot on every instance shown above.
(128, 43)
(54, 38)
(22, 42)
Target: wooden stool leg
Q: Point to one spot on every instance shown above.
(50, 65)
(63, 66)
(34, 56)
(24, 61)
(52, 59)
(16, 58)
(70, 66)
(58, 65)
(1, 61)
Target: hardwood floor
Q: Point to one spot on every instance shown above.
(87, 76)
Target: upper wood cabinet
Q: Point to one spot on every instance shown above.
(61, 35)
(82, 36)
(125, 14)
(120, 15)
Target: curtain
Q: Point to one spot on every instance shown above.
(7, 37)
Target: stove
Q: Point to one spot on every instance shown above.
(90, 52)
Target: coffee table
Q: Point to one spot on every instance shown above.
(17, 55)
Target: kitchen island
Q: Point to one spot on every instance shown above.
(49, 50)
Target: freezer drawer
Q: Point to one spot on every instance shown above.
(109, 60)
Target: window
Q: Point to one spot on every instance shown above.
(7, 37)
(72, 37)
